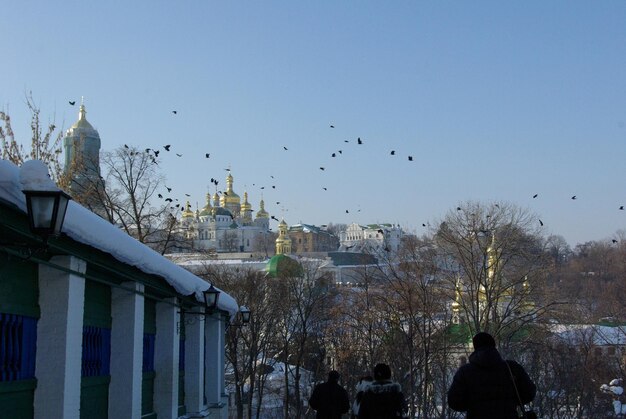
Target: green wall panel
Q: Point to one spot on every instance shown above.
(19, 287)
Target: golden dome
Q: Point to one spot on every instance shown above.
(206, 210)
(262, 213)
(246, 205)
(229, 197)
(187, 213)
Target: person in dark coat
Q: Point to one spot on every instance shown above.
(361, 386)
(382, 398)
(330, 399)
(483, 387)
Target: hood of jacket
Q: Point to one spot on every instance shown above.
(486, 358)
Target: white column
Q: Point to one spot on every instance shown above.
(126, 351)
(60, 339)
(166, 355)
(194, 367)
(213, 361)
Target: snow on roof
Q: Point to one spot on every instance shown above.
(599, 335)
(88, 228)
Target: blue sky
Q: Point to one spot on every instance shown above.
(495, 101)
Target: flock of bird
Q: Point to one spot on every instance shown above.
(154, 155)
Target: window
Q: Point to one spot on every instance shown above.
(18, 341)
(96, 351)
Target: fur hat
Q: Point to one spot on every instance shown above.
(483, 340)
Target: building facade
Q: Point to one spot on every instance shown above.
(95, 324)
(306, 238)
(371, 238)
(226, 224)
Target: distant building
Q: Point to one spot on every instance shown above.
(306, 238)
(81, 144)
(372, 238)
(227, 225)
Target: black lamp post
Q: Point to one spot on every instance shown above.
(211, 296)
(245, 314)
(46, 211)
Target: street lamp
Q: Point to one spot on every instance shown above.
(46, 211)
(244, 317)
(211, 295)
(245, 314)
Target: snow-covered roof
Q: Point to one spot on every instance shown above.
(600, 335)
(88, 228)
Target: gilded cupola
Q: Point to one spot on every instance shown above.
(206, 210)
(261, 213)
(283, 242)
(187, 213)
(246, 205)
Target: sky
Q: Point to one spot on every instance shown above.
(495, 101)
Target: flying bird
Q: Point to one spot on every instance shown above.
(347, 212)
(574, 197)
(541, 223)
(72, 102)
(160, 196)
(333, 155)
(207, 155)
(358, 141)
(156, 153)
(621, 207)
(167, 147)
(332, 126)
(393, 152)
(614, 241)
(325, 188)
(285, 147)
(458, 208)
(274, 218)
(535, 195)
(168, 189)
(410, 158)
(179, 155)
(321, 168)
(174, 112)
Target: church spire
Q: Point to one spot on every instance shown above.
(283, 242)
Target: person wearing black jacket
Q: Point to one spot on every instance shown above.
(484, 387)
(383, 398)
(330, 399)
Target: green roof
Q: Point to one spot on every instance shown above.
(283, 266)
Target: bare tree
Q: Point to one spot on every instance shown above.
(300, 292)
(45, 143)
(132, 181)
(265, 243)
(247, 346)
(230, 241)
(494, 255)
